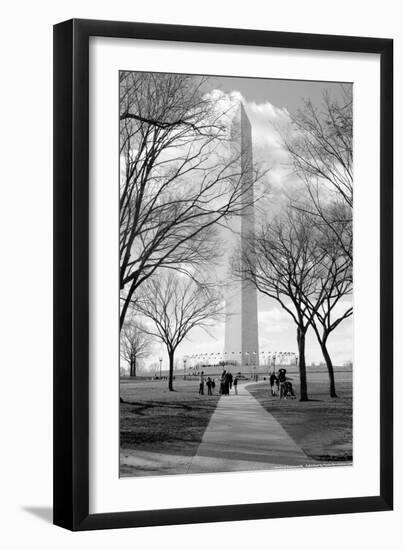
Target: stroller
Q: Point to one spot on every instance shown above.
(286, 389)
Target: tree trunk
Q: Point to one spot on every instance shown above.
(133, 366)
(171, 370)
(329, 365)
(302, 364)
(126, 306)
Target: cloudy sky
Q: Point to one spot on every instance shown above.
(269, 104)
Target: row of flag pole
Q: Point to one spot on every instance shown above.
(222, 354)
(266, 357)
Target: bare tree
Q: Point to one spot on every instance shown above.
(321, 151)
(303, 269)
(283, 262)
(176, 304)
(334, 280)
(179, 179)
(135, 343)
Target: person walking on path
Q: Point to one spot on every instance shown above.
(230, 380)
(286, 388)
(282, 380)
(201, 386)
(226, 383)
(222, 382)
(236, 385)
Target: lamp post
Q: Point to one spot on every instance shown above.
(160, 366)
(184, 369)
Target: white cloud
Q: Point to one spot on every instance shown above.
(268, 122)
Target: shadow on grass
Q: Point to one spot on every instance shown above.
(139, 408)
(155, 420)
(333, 458)
(321, 425)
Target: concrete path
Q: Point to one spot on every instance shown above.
(242, 435)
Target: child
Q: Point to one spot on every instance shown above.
(235, 384)
(273, 383)
(201, 385)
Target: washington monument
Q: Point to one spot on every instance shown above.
(241, 321)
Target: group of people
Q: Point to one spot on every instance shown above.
(281, 385)
(227, 381)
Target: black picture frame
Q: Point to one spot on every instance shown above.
(71, 274)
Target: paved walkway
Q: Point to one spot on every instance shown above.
(242, 435)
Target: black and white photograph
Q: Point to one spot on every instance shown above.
(202, 252)
(236, 274)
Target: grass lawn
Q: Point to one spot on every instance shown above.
(155, 419)
(323, 426)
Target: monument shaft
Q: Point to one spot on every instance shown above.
(241, 319)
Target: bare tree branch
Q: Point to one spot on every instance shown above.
(321, 151)
(175, 305)
(135, 343)
(282, 262)
(180, 177)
